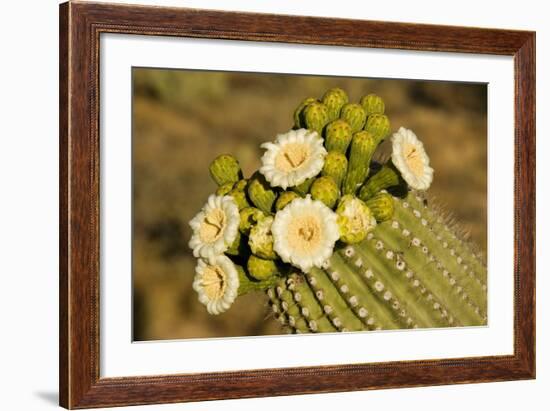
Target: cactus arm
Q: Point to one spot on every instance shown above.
(394, 273)
(419, 224)
(434, 276)
(333, 304)
(309, 306)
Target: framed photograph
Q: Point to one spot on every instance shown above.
(259, 205)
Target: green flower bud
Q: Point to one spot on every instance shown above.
(372, 104)
(336, 166)
(225, 169)
(239, 246)
(260, 239)
(284, 198)
(249, 218)
(261, 269)
(324, 189)
(224, 189)
(241, 184)
(385, 178)
(362, 148)
(298, 113)
(378, 125)
(334, 99)
(303, 189)
(260, 193)
(316, 116)
(382, 206)
(355, 219)
(338, 136)
(240, 197)
(354, 115)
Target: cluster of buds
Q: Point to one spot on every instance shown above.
(317, 185)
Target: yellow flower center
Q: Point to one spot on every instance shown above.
(213, 225)
(304, 234)
(413, 159)
(214, 282)
(291, 156)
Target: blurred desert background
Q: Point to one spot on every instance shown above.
(184, 119)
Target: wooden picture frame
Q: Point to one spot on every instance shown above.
(80, 27)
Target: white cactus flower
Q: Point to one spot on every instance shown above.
(217, 283)
(304, 233)
(410, 158)
(215, 227)
(293, 158)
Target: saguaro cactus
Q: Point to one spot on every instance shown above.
(335, 240)
(411, 271)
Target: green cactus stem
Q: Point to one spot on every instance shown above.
(385, 178)
(260, 193)
(334, 99)
(336, 166)
(406, 273)
(324, 189)
(225, 169)
(379, 126)
(355, 115)
(284, 199)
(261, 269)
(338, 135)
(249, 284)
(362, 148)
(372, 104)
(468, 275)
(303, 298)
(334, 304)
(291, 309)
(381, 206)
(316, 116)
